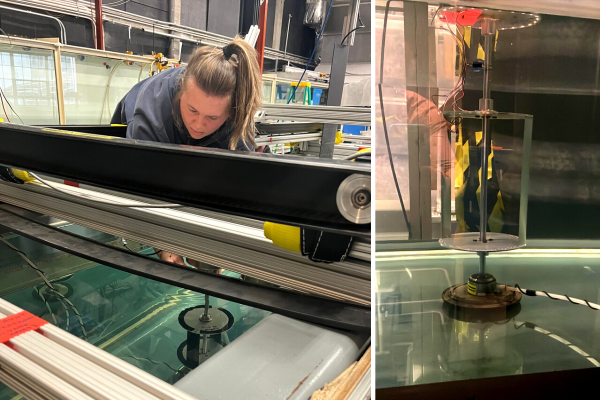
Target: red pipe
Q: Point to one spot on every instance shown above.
(262, 25)
(99, 26)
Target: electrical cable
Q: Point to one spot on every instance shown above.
(107, 93)
(67, 315)
(124, 242)
(364, 153)
(112, 203)
(48, 284)
(355, 29)
(11, 108)
(152, 361)
(385, 132)
(313, 52)
(47, 305)
(4, 109)
(543, 293)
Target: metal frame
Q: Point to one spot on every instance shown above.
(308, 308)
(204, 236)
(169, 172)
(419, 39)
(58, 48)
(162, 28)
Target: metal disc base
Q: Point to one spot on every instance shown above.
(497, 306)
(221, 320)
(470, 242)
(212, 349)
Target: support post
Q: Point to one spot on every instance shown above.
(174, 17)
(337, 78)
(262, 24)
(99, 25)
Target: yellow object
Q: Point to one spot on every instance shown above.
(118, 124)
(480, 53)
(496, 41)
(338, 138)
(302, 84)
(478, 136)
(1, 120)
(495, 222)
(468, 36)
(22, 175)
(161, 62)
(284, 236)
(472, 289)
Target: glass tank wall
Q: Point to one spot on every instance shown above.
(28, 80)
(418, 343)
(134, 318)
(548, 70)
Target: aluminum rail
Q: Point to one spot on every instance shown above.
(324, 114)
(38, 44)
(161, 28)
(237, 249)
(56, 364)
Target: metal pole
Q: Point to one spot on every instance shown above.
(286, 37)
(488, 29)
(262, 24)
(482, 255)
(205, 344)
(99, 26)
(206, 317)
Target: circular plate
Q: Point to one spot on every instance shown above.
(213, 347)
(470, 242)
(460, 305)
(504, 19)
(63, 288)
(354, 198)
(221, 320)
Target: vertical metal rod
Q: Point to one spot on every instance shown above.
(262, 24)
(484, 181)
(488, 29)
(205, 344)
(206, 307)
(487, 65)
(482, 255)
(99, 26)
(286, 37)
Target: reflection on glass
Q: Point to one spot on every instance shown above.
(282, 90)
(418, 342)
(93, 86)
(134, 318)
(28, 80)
(267, 91)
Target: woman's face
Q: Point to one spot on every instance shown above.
(203, 114)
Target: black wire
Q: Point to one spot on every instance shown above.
(152, 361)
(135, 252)
(530, 292)
(53, 289)
(8, 102)
(358, 27)
(389, 149)
(355, 29)
(387, 140)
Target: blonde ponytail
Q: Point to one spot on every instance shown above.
(230, 71)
